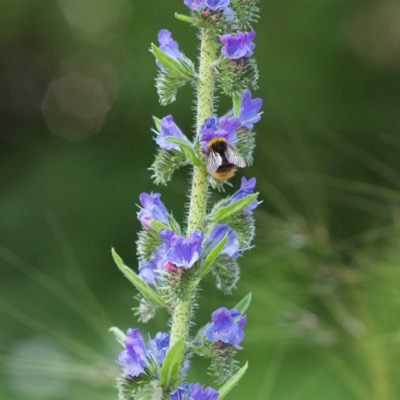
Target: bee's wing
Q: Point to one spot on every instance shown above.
(233, 157)
(214, 161)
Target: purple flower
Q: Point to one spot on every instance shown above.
(214, 5)
(152, 209)
(169, 128)
(157, 347)
(135, 357)
(246, 188)
(226, 327)
(194, 392)
(168, 46)
(182, 252)
(238, 46)
(226, 129)
(249, 110)
(231, 248)
(150, 271)
(195, 5)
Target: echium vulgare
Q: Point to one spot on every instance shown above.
(173, 258)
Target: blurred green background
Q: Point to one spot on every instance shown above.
(76, 100)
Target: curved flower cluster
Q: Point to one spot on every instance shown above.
(174, 255)
(194, 392)
(226, 128)
(135, 358)
(226, 327)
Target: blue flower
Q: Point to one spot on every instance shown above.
(152, 209)
(168, 46)
(226, 327)
(231, 248)
(238, 46)
(150, 271)
(182, 252)
(157, 347)
(194, 392)
(169, 128)
(250, 110)
(226, 128)
(214, 5)
(195, 5)
(135, 357)
(246, 188)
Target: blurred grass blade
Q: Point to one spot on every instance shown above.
(244, 304)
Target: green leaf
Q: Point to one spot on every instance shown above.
(157, 123)
(185, 18)
(147, 292)
(234, 208)
(214, 253)
(118, 334)
(174, 67)
(232, 382)
(243, 304)
(186, 147)
(151, 391)
(157, 225)
(169, 374)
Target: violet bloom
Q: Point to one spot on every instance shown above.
(246, 188)
(135, 357)
(250, 110)
(226, 327)
(150, 271)
(157, 347)
(168, 46)
(194, 392)
(231, 248)
(226, 129)
(152, 209)
(238, 46)
(214, 5)
(182, 252)
(169, 128)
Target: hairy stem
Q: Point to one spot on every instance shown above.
(198, 196)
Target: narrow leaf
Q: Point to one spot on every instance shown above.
(174, 67)
(157, 123)
(232, 382)
(234, 208)
(184, 18)
(243, 304)
(169, 374)
(118, 334)
(157, 225)
(214, 253)
(147, 292)
(186, 147)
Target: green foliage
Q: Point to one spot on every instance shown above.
(170, 370)
(144, 289)
(226, 272)
(244, 304)
(165, 164)
(232, 382)
(247, 13)
(212, 256)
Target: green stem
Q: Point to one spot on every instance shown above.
(198, 197)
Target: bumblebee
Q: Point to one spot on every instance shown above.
(222, 159)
